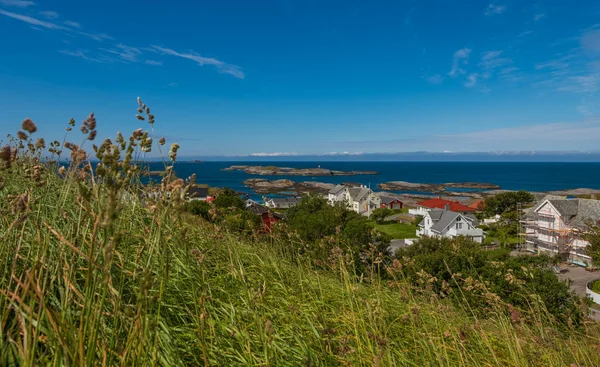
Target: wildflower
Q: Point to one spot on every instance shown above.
(173, 151)
(92, 135)
(40, 143)
(5, 153)
(140, 117)
(62, 170)
(139, 101)
(29, 126)
(514, 314)
(22, 135)
(162, 141)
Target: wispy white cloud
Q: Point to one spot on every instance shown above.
(275, 154)
(493, 9)
(472, 80)
(153, 62)
(32, 21)
(200, 60)
(71, 23)
(460, 58)
(539, 16)
(126, 53)
(491, 60)
(17, 3)
(583, 109)
(553, 132)
(581, 84)
(83, 54)
(590, 41)
(50, 14)
(97, 36)
(117, 53)
(435, 79)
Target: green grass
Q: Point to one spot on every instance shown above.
(397, 230)
(91, 274)
(508, 241)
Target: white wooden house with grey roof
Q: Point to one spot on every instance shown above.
(556, 225)
(359, 199)
(446, 223)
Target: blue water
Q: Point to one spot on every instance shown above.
(538, 176)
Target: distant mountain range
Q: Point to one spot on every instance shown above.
(500, 156)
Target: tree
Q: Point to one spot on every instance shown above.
(473, 274)
(380, 214)
(506, 201)
(228, 199)
(593, 250)
(199, 207)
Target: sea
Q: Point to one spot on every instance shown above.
(530, 176)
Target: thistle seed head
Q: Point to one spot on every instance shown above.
(29, 126)
(40, 143)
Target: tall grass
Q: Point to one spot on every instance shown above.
(95, 271)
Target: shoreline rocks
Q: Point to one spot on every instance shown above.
(435, 188)
(265, 186)
(288, 171)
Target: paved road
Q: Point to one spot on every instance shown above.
(579, 278)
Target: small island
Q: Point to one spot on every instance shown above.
(288, 171)
(435, 188)
(264, 186)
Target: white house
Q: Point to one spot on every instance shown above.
(336, 194)
(556, 225)
(359, 199)
(446, 223)
(282, 203)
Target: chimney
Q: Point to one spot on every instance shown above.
(447, 207)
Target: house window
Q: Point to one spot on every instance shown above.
(459, 225)
(458, 219)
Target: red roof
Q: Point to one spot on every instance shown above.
(478, 205)
(455, 206)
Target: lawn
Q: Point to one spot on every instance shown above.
(397, 230)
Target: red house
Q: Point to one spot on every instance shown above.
(268, 217)
(391, 203)
(438, 203)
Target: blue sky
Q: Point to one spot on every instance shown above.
(309, 77)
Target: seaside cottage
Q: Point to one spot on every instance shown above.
(556, 225)
(424, 206)
(391, 203)
(336, 194)
(446, 223)
(198, 193)
(359, 199)
(281, 203)
(268, 218)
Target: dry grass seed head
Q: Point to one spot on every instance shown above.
(29, 126)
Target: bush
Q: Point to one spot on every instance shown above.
(418, 219)
(199, 207)
(380, 214)
(483, 278)
(228, 199)
(596, 286)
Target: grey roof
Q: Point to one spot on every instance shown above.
(257, 209)
(197, 192)
(388, 199)
(285, 200)
(359, 193)
(575, 212)
(446, 218)
(436, 214)
(337, 189)
(566, 207)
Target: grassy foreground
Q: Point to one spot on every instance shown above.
(93, 274)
